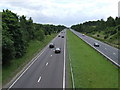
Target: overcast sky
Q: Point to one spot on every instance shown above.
(64, 12)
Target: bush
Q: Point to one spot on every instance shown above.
(98, 35)
(105, 37)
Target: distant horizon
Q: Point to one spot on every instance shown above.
(63, 12)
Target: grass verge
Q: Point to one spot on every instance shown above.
(69, 71)
(105, 41)
(90, 68)
(35, 47)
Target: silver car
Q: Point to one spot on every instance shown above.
(57, 50)
(96, 44)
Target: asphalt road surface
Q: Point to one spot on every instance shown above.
(108, 51)
(47, 70)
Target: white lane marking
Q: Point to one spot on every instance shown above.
(46, 63)
(34, 59)
(51, 55)
(64, 65)
(26, 69)
(102, 53)
(114, 53)
(105, 48)
(39, 79)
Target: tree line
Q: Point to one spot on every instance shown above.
(17, 32)
(110, 26)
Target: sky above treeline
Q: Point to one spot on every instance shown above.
(63, 12)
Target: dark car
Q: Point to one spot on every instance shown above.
(96, 44)
(62, 36)
(57, 50)
(51, 45)
(58, 35)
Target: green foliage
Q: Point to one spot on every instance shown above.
(90, 69)
(8, 50)
(18, 32)
(40, 35)
(109, 29)
(110, 22)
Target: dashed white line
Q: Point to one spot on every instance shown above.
(114, 53)
(39, 79)
(34, 59)
(105, 48)
(46, 63)
(51, 55)
(26, 69)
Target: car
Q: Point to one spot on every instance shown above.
(51, 45)
(57, 50)
(58, 35)
(62, 36)
(83, 34)
(96, 44)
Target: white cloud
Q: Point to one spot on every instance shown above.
(65, 12)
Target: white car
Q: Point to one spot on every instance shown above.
(83, 34)
(96, 44)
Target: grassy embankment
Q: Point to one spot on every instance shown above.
(112, 40)
(17, 64)
(90, 68)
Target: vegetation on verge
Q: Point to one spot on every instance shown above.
(21, 39)
(90, 68)
(17, 32)
(107, 31)
(16, 65)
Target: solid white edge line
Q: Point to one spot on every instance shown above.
(39, 79)
(35, 58)
(64, 65)
(25, 70)
(100, 52)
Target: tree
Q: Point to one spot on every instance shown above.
(40, 35)
(110, 22)
(18, 31)
(8, 50)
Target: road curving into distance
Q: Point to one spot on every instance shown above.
(108, 51)
(47, 70)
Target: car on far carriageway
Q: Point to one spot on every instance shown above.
(83, 34)
(96, 44)
(51, 45)
(57, 50)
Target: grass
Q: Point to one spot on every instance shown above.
(69, 72)
(0, 76)
(90, 68)
(113, 42)
(17, 64)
